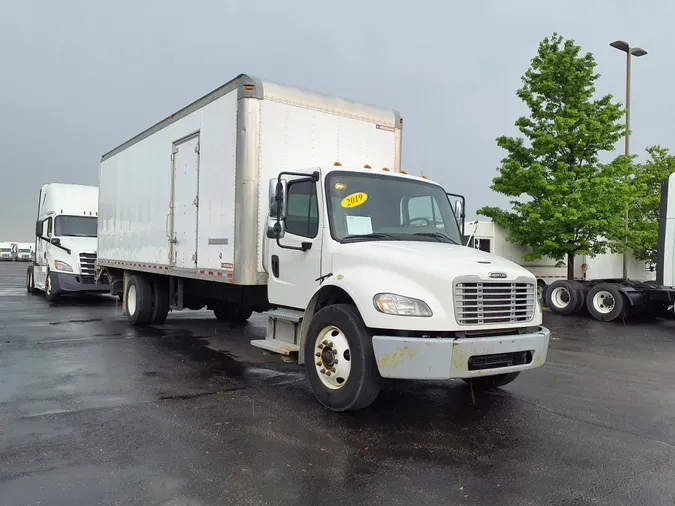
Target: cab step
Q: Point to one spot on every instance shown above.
(283, 332)
(276, 346)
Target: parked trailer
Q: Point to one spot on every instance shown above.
(610, 299)
(263, 197)
(490, 237)
(65, 242)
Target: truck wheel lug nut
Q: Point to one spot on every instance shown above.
(324, 342)
(332, 369)
(323, 371)
(327, 373)
(318, 363)
(317, 354)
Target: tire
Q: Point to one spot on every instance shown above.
(50, 295)
(562, 297)
(541, 292)
(160, 302)
(605, 302)
(232, 313)
(138, 300)
(30, 281)
(485, 383)
(579, 297)
(340, 326)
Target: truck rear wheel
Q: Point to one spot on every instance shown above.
(160, 302)
(485, 383)
(30, 280)
(138, 301)
(232, 313)
(605, 302)
(339, 359)
(562, 297)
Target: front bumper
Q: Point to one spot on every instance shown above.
(71, 283)
(445, 358)
(5, 257)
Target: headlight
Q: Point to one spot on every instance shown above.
(389, 303)
(62, 266)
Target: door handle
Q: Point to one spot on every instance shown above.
(166, 225)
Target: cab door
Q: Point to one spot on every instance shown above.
(294, 259)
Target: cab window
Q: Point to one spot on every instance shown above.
(302, 209)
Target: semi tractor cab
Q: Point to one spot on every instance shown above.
(65, 242)
(6, 251)
(24, 252)
(265, 197)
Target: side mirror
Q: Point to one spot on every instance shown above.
(277, 198)
(38, 228)
(55, 241)
(457, 202)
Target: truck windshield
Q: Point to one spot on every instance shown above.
(5, 250)
(366, 207)
(75, 226)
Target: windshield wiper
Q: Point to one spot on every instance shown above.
(365, 237)
(437, 235)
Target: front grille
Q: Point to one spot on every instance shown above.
(498, 360)
(488, 302)
(88, 267)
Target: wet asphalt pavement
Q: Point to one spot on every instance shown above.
(94, 412)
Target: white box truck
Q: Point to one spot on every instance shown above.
(264, 197)
(65, 242)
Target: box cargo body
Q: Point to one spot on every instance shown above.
(189, 195)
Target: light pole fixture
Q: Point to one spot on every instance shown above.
(630, 51)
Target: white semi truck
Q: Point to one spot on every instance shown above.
(24, 251)
(263, 197)
(6, 251)
(65, 242)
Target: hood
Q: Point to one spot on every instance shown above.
(79, 244)
(435, 258)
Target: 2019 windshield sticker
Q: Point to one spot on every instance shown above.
(354, 200)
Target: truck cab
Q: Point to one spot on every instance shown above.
(6, 251)
(373, 265)
(65, 242)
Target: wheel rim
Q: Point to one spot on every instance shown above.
(560, 297)
(48, 285)
(332, 358)
(604, 302)
(540, 292)
(131, 300)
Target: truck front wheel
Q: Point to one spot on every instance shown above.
(485, 383)
(339, 359)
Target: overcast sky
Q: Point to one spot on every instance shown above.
(77, 78)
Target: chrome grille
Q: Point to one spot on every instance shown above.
(87, 266)
(480, 302)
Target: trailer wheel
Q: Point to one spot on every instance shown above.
(605, 302)
(485, 383)
(138, 301)
(339, 359)
(160, 302)
(562, 297)
(232, 313)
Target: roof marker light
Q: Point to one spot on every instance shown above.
(337, 164)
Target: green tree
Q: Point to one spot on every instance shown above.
(643, 213)
(568, 200)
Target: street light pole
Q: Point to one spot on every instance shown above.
(630, 51)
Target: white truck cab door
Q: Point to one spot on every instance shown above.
(40, 270)
(293, 273)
